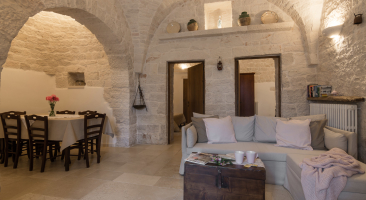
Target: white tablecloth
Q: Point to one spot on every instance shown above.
(64, 128)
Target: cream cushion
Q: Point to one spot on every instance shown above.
(220, 130)
(191, 136)
(294, 134)
(333, 139)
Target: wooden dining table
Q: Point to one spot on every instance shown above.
(67, 129)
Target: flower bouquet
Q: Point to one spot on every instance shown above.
(219, 161)
(52, 100)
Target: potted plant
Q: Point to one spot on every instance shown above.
(244, 19)
(192, 25)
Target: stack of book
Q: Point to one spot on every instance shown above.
(315, 90)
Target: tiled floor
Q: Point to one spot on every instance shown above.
(140, 172)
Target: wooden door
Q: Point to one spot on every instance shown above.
(185, 100)
(246, 94)
(196, 91)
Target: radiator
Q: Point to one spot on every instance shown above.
(341, 116)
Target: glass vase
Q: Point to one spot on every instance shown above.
(52, 112)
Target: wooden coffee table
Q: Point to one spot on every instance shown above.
(211, 182)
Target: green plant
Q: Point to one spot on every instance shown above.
(243, 15)
(217, 160)
(191, 21)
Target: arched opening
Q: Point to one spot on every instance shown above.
(55, 45)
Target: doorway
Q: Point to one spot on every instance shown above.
(186, 93)
(258, 86)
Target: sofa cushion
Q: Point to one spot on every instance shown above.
(333, 139)
(199, 124)
(294, 134)
(198, 115)
(311, 117)
(244, 128)
(220, 130)
(265, 128)
(355, 184)
(191, 136)
(317, 134)
(266, 151)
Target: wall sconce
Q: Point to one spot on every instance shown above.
(358, 19)
(220, 65)
(332, 32)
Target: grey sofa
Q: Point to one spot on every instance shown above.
(282, 164)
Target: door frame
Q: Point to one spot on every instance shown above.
(278, 80)
(170, 90)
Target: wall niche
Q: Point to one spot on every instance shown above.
(76, 80)
(213, 12)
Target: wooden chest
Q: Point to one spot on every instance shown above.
(210, 182)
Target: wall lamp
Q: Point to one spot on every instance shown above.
(333, 31)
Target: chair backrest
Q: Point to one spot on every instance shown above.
(87, 112)
(35, 132)
(15, 112)
(96, 126)
(13, 129)
(66, 112)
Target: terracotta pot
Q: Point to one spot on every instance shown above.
(244, 21)
(193, 26)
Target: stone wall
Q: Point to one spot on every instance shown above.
(57, 44)
(342, 60)
(220, 92)
(264, 69)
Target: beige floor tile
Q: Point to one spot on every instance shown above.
(104, 175)
(169, 171)
(70, 187)
(170, 183)
(151, 168)
(131, 167)
(26, 184)
(31, 196)
(138, 179)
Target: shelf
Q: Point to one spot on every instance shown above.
(219, 32)
(346, 99)
(76, 87)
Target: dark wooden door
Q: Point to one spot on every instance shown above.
(196, 91)
(185, 100)
(247, 94)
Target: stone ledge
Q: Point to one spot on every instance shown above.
(337, 99)
(219, 32)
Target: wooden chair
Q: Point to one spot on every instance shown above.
(14, 144)
(38, 138)
(92, 143)
(87, 112)
(65, 112)
(91, 132)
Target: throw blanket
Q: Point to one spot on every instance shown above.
(325, 176)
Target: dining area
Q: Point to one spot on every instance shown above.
(52, 137)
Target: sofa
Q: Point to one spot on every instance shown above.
(282, 164)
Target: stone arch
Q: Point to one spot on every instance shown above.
(106, 20)
(296, 9)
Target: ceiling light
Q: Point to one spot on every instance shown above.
(184, 66)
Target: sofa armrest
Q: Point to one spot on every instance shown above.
(184, 147)
(351, 140)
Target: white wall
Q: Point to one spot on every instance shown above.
(27, 90)
(178, 93)
(265, 98)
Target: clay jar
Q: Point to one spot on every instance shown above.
(192, 26)
(244, 21)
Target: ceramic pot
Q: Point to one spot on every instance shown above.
(244, 21)
(193, 26)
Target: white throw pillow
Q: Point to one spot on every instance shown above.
(220, 130)
(191, 136)
(335, 140)
(294, 134)
(197, 115)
